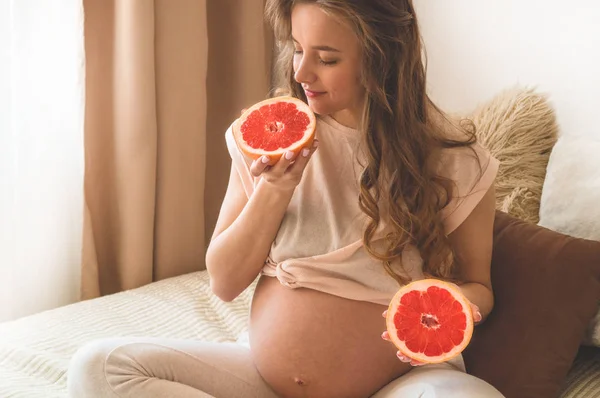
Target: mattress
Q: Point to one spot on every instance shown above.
(35, 350)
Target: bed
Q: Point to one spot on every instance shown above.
(35, 350)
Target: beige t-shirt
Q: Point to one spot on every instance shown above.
(319, 243)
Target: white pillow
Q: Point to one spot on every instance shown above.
(570, 201)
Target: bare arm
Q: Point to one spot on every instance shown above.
(472, 241)
(243, 236)
(246, 228)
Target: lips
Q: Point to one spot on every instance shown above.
(312, 94)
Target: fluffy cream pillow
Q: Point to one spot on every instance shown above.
(570, 201)
(518, 126)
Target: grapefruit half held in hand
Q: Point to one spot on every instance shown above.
(274, 126)
(430, 321)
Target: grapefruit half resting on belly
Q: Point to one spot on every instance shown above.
(430, 321)
(274, 126)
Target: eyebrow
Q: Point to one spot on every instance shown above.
(321, 48)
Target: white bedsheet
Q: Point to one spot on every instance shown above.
(35, 351)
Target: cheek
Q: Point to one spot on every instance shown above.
(345, 86)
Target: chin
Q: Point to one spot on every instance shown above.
(321, 109)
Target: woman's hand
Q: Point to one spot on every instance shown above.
(386, 336)
(287, 172)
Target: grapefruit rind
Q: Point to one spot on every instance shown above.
(275, 155)
(422, 285)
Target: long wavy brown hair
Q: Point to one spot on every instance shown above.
(402, 130)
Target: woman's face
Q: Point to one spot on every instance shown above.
(327, 64)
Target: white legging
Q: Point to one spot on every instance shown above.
(153, 368)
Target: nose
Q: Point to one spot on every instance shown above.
(303, 72)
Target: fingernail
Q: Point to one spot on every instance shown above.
(265, 159)
(384, 314)
(289, 155)
(315, 143)
(305, 152)
(385, 335)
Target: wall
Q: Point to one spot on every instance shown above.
(477, 48)
(41, 154)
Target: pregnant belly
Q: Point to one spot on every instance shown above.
(307, 343)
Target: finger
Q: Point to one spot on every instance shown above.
(476, 313)
(243, 110)
(402, 357)
(386, 336)
(283, 163)
(384, 314)
(259, 165)
(477, 317)
(405, 359)
(303, 158)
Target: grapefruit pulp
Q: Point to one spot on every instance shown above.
(274, 126)
(430, 321)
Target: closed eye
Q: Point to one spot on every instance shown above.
(322, 62)
(327, 62)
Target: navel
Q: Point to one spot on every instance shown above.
(300, 382)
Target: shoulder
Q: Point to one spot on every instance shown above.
(239, 162)
(472, 170)
(464, 162)
(237, 155)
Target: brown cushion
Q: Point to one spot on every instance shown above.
(546, 287)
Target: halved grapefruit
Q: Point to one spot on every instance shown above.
(274, 126)
(430, 321)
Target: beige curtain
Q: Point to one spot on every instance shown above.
(164, 79)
